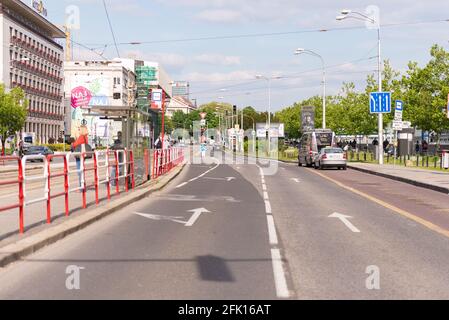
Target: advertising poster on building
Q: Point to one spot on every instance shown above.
(87, 91)
(156, 99)
(277, 130)
(308, 118)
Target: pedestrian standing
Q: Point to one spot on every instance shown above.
(417, 147)
(79, 146)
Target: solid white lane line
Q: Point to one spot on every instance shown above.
(279, 276)
(181, 185)
(272, 231)
(265, 196)
(267, 207)
(264, 187)
(200, 176)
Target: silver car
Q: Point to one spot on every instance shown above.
(331, 157)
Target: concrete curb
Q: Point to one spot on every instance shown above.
(15, 251)
(401, 179)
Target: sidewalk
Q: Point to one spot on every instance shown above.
(433, 180)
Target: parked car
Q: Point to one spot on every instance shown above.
(331, 157)
(37, 150)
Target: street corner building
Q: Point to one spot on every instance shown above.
(32, 60)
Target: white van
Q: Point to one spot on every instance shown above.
(311, 144)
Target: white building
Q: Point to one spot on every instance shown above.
(180, 103)
(32, 59)
(101, 95)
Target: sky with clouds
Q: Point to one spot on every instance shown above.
(226, 67)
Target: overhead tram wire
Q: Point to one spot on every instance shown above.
(285, 76)
(273, 34)
(112, 29)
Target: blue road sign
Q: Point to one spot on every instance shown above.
(399, 105)
(380, 102)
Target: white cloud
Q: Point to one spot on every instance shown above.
(220, 15)
(217, 59)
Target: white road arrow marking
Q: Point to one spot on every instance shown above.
(160, 218)
(295, 179)
(345, 220)
(230, 178)
(196, 214)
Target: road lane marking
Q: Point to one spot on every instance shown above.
(182, 185)
(196, 214)
(345, 220)
(267, 207)
(272, 231)
(279, 276)
(402, 212)
(200, 176)
(160, 218)
(280, 280)
(295, 179)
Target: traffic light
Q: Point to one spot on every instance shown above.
(234, 108)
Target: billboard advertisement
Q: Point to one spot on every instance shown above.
(277, 130)
(87, 91)
(308, 118)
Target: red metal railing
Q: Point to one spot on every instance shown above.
(19, 182)
(64, 193)
(165, 160)
(122, 159)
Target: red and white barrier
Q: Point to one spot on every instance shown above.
(19, 182)
(165, 160)
(100, 160)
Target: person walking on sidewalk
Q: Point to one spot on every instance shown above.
(118, 145)
(417, 147)
(80, 146)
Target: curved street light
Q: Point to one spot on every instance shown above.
(268, 79)
(348, 14)
(313, 53)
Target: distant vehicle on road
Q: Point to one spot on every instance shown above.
(29, 139)
(331, 157)
(37, 150)
(311, 144)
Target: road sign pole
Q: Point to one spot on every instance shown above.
(163, 120)
(395, 147)
(380, 122)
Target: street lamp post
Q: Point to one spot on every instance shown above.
(269, 107)
(300, 51)
(345, 14)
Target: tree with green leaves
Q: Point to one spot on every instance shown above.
(426, 92)
(13, 113)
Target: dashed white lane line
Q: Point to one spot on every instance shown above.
(272, 231)
(280, 280)
(279, 276)
(267, 207)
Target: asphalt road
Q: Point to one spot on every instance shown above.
(265, 237)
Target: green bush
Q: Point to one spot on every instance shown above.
(58, 147)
